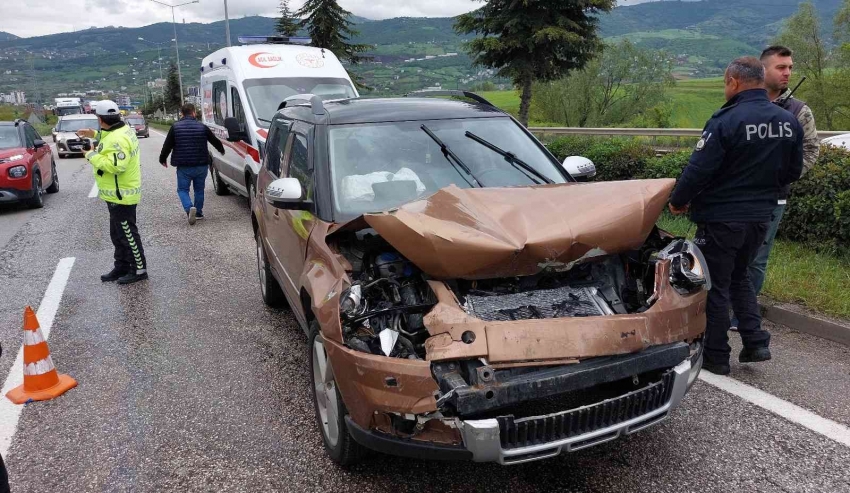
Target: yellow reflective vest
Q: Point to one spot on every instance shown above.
(117, 165)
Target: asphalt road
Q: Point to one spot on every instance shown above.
(187, 382)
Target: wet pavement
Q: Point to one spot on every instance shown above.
(187, 382)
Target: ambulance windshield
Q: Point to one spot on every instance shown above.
(265, 95)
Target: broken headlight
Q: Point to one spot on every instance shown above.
(688, 268)
(350, 302)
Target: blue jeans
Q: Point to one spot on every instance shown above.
(758, 267)
(196, 176)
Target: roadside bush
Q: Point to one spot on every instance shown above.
(818, 211)
(819, 207)
(615, 159)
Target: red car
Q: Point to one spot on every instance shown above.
(27, 168)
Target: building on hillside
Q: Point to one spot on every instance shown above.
(122, 100)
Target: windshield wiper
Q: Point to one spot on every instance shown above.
(452, 158)
(263, 120)
(511, 158)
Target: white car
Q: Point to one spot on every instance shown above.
(64, 133)
(842, 140)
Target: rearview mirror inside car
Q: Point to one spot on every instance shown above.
(234, 130)
(287, 193)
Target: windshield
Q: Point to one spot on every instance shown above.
(265, 95)
(74, 110)
(380, 166)
(77, 124)
(9, 137)
(135, 121)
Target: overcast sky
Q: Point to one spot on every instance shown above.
(36, 18)
(53, 16)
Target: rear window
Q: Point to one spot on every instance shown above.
(9, 138)
(136, 121)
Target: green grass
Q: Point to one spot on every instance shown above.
(671, 34)
(694, 101)
(795, 272)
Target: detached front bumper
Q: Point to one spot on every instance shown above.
(508, 440)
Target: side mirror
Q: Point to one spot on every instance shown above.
(287, 193)
(234, 131)
(580, 167)
(38, 143)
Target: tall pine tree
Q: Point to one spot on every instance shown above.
(533, 40)
(328, 25)
(286, 23)
(172, 89)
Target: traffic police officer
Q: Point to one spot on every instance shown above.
(118, 175)
(749, 151)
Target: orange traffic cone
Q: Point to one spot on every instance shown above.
(41, 381)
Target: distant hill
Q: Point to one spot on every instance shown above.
(4, 36)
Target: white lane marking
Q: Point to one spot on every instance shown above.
(157, 132)
(94, 191)
(10, 413)
(796, 414)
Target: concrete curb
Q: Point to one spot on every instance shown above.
(796, 318)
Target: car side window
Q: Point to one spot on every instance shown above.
(276, 146)
(238, 111)
(219, 101)
(35, 133)
(299, 164)
(29, 134)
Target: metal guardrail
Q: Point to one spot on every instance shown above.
(641, 132)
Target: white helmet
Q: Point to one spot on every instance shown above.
(106, 108)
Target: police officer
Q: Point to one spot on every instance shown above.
(118, 175)
(750, 150)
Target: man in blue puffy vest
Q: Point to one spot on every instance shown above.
(187, 143)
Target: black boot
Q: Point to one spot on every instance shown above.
(754, 355)
(113, 275)
(133, 276)
(716, 368)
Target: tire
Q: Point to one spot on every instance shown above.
(269, 288)
(37, 199)
(330, 410)
(54, 185)
(219, 186)
(251, 195)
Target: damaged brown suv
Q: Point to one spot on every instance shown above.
(463, 296)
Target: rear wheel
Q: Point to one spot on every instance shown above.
(37, 199)
(270, 289)
(54, 183)
(330, 410)
(219, 186)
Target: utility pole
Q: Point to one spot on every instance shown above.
(226, 24)
(176, 47)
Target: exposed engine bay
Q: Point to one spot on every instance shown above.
(382, 311)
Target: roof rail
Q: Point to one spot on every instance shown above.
(293, 40)
(316, 104)
(462, 94)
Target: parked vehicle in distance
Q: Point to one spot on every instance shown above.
(139, 123)
(64, 133)
(463, 296)
(67, 106)
(242, 88)
(27, 168)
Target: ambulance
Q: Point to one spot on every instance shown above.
(242, 88)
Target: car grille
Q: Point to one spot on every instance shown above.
(544, 303)
(536, 430)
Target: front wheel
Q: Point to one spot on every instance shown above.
(37, 199)
(330, 410)
(270, 289)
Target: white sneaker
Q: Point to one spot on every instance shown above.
(193, 215)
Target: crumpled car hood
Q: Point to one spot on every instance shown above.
(484, 233)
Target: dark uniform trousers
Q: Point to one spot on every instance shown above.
(729, 248)
(129, 254)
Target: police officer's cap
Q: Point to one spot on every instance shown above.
(106, 108)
